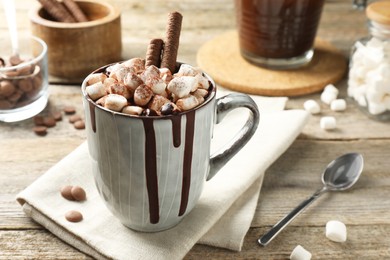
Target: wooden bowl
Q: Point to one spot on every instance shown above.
(76, 49)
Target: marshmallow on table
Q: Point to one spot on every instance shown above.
(299, 253)
(328, 122)
(331, 89)
(336, 231)
(312, 106)
(328, 96)
(338, 105)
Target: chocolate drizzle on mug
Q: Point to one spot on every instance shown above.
(151, 170)
(176, 133)
(189, 143)
(151, 162)
(92, 114)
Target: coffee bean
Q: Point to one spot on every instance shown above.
(74, 118)
(69, 110)
(78, 193)
(79, 124)
(49, 121)
(66, 192)
(40, 130)
(73, 216)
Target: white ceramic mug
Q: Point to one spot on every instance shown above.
(150, 170)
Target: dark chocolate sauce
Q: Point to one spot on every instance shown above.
(92, 115)
(151, 161)
(176, 133)
(189, 142)
(151, 170)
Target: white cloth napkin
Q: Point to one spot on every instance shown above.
(221, 218)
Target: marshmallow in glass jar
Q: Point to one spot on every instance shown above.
(369, 74)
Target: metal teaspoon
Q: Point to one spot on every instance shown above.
(340, 174)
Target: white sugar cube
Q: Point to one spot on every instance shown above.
(336, 231)
(299, 253)
(312, 106)
(328, 96)
(328, 122)
(338, 105)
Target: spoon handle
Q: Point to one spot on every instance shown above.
(275, 230)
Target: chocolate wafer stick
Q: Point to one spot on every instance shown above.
(171, 45)
(153, 54)
(57, 11)
(75, 10)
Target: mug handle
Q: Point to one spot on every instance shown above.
(224, 106)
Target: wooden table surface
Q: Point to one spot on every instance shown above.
(365, 209)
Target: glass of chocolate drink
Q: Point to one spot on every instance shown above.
(278, 34)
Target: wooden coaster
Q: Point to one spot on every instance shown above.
(221, 59)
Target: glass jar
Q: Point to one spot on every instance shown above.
(369, 72)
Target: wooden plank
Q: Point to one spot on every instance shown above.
(297, 174)
(39, 244)
(294, 176)
(351, 124)
(312, 239)
(35, 244)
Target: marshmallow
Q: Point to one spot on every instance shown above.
(115, 102)
(331, 88)
(202, 82)
(338, 105)
(182, 86)
(157, 85)
(120, 90)
(157, 102)
(187, 70)
(101, 101)
(165, 75)
(142, 95)
(201, 92)
(132, 110)
(96, 91)
(132, 81)
(114, 67)
(328, 122)
(108, 82)
(312, 106)
(369, 75)
(376, 108)
(328, 96)
(136, 64)
(386, 101)
(373, 95)
(120, 73)
(187, 103)
(336, 231)
(149, 73)
(299, 253)
(97, 77)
